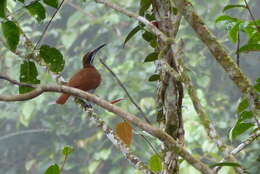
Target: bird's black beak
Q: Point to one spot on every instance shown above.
(93, 52)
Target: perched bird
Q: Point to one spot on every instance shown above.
(87, 79)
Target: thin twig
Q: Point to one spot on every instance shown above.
(47, 26)
(124, 88)
(237, 51)
(252, 16)
(23, 132)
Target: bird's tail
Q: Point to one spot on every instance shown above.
(62, 99)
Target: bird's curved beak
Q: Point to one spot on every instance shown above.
(93, 52)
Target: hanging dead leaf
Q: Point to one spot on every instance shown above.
(116, 101)
(124, 132)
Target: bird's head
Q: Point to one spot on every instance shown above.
(89, 57)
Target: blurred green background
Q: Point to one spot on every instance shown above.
(81, 26)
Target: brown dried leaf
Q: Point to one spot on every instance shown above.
(124, 132)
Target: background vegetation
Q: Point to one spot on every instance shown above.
(42, 128)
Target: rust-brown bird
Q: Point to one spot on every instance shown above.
(86, 79)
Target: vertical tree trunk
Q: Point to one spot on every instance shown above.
(170, 91)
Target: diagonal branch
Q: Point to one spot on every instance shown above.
(132, 158)
(221, 56)
(126, 91)
(156, 132)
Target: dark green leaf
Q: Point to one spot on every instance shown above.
(53, 169)
(239, 129)
(245, 115)
(144, 5)
(3, 9)
(21, 1)
(258, 80)
(28, 74)
(232, 164)
(153, 43)
(53, 58)
(150, 17)
(155, 163)
(148, 36)
(226, 18)
(233, 32)
(242, 105)
(154, 77)
(11, 34)
(52, 3)
(67, 150)
(250, 47)
(132, 33)
(233, 6)
(151, 57)
(37, 10)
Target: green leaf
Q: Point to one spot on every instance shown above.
(53, 169)
(231, 164)
(67, 150)
(233, 32)
(254, 39)
(11, 34)
(28, 74)
(21, 1)
(227, 7)
(258, 80)
(239, 129)
(151, 57)
(155, 163)
(3, 9)
(37, 10)
(132, 33)
(53, 58)
(242, 105)
(226, 18)
(245, 115)
(154, 77)
(144, 5)
(52, 3)
(148, 36)
(250, 47)
(257, 87)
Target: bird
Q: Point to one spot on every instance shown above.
(86, 79)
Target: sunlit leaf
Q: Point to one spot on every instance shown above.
(151, 57)
(53, 58)
(28, 74)
(67, 150)
(3, 9)
(254, 39)
(227, 7)
(154, 77)
(239, 129)
(242, 105)
(124, 132)
(144, 5)
(53, 169)
(11, 34)
(250, 47)
(226, 18)
(231, 164)
(37, 10)
(132, 33)
(233, 32)
(155, 163)
(52, 3)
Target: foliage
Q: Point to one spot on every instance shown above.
(79, 27)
